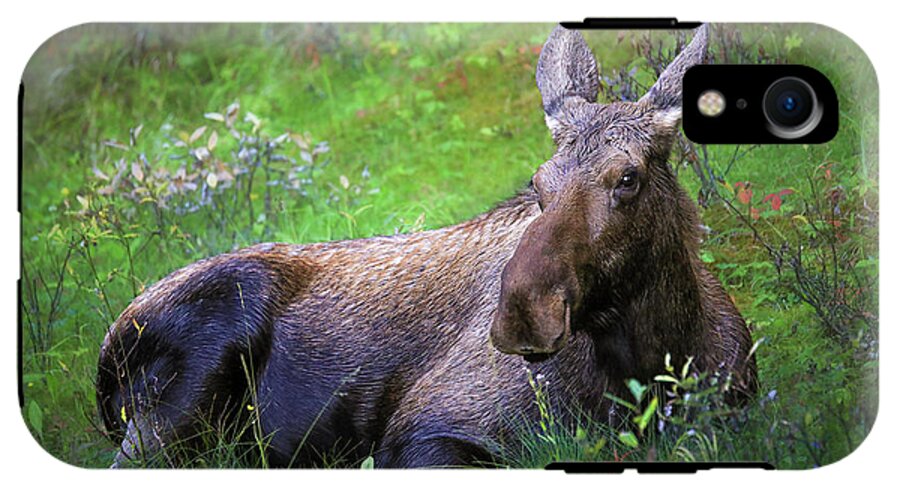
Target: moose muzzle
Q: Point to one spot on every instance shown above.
(539, 294)
(532, 327)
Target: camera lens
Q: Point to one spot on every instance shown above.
(791, 108)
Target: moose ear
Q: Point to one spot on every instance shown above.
(665, 95)
(566, 74)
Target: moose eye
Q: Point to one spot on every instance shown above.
(628, 181)
(627, 186)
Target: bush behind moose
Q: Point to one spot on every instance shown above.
(355, 207)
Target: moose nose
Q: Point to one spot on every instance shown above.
(510, 345)
(540, 325)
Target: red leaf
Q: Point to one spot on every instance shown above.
(774, 200)
(785, 192)
(754, 213)
(744, 195)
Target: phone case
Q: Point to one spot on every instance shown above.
(439, 245)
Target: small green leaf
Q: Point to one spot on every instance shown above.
(687, 367)
(707, 257)
(580, 434)
(637, 389)
(36, 418)
(628, 439)
(644, 419)
(597, 447)
(666, 378)
(791, 42)
(456, 123)
(368, 463)
(621, 402)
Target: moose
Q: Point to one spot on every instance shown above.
(417, 349)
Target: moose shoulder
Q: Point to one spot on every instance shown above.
(416, 348)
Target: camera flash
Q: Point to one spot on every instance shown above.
(711, 103)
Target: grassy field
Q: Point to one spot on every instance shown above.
(315, 133)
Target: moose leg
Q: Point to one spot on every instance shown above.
(431, 446)
(431, 431)
(447, 419)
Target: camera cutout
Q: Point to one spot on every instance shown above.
(759, 104)
(791, 107)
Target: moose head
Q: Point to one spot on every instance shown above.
(612, 213)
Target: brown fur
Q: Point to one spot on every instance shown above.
(390, 344)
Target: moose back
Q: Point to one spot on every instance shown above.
(416, 349)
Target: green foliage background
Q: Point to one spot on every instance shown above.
(426, 125)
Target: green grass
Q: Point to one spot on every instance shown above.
(427, 126)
